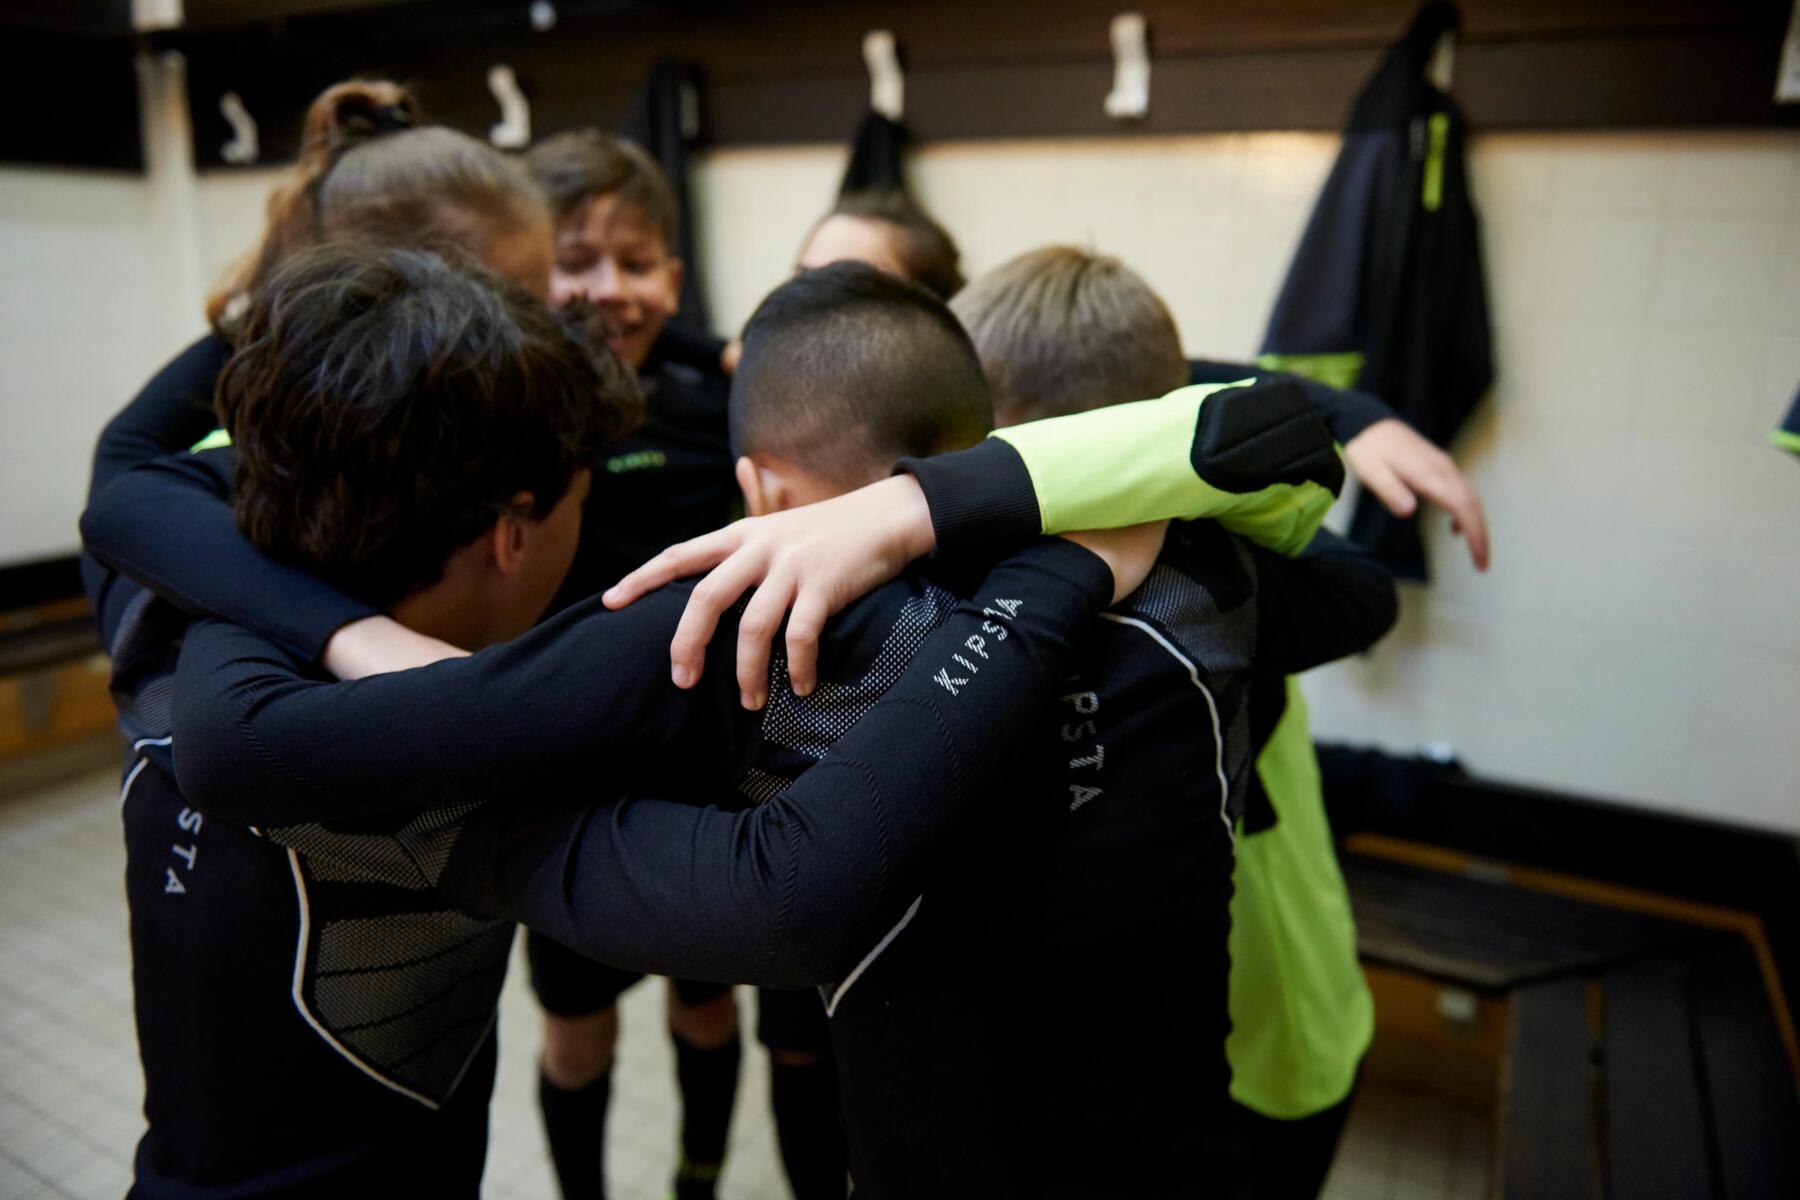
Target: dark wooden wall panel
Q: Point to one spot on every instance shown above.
(70, 99)
(792, 72)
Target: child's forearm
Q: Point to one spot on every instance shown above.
(797, 890)
(168, 525)
(582, 701)
(1257, 458)
(1332, 601)
(172, 412)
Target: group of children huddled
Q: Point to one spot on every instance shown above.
(953, 752)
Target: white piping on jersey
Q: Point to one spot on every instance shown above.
(887, 940)
(131, 779)
(1211, 707)
(142, 742)
(300, 1003)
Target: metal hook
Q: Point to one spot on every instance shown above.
(1130, 95)
(244, 147)
(887, 85)
(514, 130)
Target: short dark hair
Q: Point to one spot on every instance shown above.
(386, 406)
(847, 368)
(1062, 330)
(575, 167)
(924, 248)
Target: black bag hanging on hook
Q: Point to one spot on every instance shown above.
(1386, 292)
(877, 156)
(663, 121)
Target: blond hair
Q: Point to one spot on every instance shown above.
(1063, 330)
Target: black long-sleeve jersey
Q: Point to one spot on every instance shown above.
(1050, 1019)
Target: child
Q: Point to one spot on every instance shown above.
(886, 229)
(949, 1081)
(199, 898)
(1301, 1013)
(669, 481)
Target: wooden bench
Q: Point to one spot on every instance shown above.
(1660, 1078)
(1642, 1057)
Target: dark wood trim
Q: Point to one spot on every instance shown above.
(70, 96)
(35, 584)
(791, 72)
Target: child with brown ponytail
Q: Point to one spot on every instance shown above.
(246, 1094)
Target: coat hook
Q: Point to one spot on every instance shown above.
(514, 130)
(543, 15)
(243, 148)
(1442, 66)
(1130, 95)
(887, 86)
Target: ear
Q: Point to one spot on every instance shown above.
(750, 482)
(510, 534)
(677, 270)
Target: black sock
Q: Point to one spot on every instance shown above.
(575, 1126)
(808, 1128)
(708, 1080)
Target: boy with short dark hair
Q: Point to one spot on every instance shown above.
(950, 1079)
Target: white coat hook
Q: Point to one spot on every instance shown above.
(243, 148)
(543, 15)
(887, 86)
(1442, 66)
(514, 130)
(1130, 95)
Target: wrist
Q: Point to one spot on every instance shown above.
(913, 513)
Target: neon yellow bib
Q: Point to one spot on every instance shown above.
(1301, 1012)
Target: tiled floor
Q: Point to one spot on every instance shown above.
(70, 1088)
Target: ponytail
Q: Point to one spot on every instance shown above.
(345, 116)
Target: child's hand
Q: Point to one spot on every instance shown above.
(1130, 552)
(377, 645)
(811, 560)
(1395, 462)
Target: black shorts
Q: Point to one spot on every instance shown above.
(794, 1021)
(571, 985)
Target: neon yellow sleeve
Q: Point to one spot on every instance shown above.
(1258, 460)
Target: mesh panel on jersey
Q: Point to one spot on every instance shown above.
(810, 724)
(412, 856)
(1218, 641)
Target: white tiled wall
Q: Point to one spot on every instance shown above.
(1637, 637)
(77, 336)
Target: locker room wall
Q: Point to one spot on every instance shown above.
(1636, 638)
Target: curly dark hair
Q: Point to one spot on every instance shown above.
(386, 405)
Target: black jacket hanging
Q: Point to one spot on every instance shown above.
(877, 156)
(658, 123)
(1386, 292)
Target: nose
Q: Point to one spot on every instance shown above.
(606, 283)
